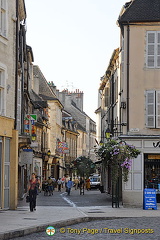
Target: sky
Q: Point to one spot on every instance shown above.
(72, 42)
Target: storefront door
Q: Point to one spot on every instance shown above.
(0, 172)
(7, 173)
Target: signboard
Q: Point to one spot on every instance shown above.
(29, 125)
(63, 147)
(26, 156)
(149, 200)
(32, 117)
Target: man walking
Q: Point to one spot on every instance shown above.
(69, 185)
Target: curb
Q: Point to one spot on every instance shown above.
(58, 224)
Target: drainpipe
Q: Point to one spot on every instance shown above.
(112, 106)
(128, 39)
(16, 68)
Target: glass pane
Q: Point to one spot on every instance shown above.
(158, 49)
(151, 97)
(158, 38)
(158, 61)
(150, 109)
(6, 176)
(151, 37)
(150, 122)
(150, 61)
(150, 49)
(7, 150)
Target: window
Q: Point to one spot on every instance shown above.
(1, 92)
(153, 109)
(3, 18)
(153, 49)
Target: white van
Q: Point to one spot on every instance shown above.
(95, 181)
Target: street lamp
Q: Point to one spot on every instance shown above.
(108, 133)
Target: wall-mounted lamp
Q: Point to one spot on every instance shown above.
(108, 133)
(49, 153)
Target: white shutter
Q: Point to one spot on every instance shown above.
(0, 19)
(158, 49)
(157, 109)
(151, 45)
(150, 109)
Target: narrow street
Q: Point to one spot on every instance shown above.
(90, 198)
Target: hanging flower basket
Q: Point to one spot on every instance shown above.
(118, 155)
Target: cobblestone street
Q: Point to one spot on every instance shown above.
(126, 228)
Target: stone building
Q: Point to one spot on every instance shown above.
(73, 103)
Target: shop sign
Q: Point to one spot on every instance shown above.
(149, 200)
(153, 156)
(63, 147)
(26, 156)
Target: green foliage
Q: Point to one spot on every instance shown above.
(84, 166)
(119, 156)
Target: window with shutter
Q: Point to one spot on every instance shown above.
(3, 18)
(158, 49)
(150, 109)
(153, 109)
(19, 108)
(158, 109)
(153, 49)
(2, 89)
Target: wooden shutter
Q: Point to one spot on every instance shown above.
(157, 109)
(151, 45)
(107, 97)
(150, 109)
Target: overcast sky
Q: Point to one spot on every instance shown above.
(72, 42)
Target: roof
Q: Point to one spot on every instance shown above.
(140, 11)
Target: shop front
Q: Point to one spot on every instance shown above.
(152, 173)
(145, 171)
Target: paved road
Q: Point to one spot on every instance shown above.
(90, 198)
(148, 229)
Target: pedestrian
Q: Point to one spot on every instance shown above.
(32, 188)
(76, 182)
(66, 181)
(69, 186)
(50, 186)
(88, 184)
(59, 182)
(81, 186)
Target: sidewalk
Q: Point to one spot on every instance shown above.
(21, 221)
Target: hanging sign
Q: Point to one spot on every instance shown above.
(63, 147)
(149, 200)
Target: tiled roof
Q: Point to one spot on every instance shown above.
(141, 11)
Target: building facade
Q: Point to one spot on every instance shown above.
(133, 112)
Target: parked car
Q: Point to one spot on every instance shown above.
(95, 181)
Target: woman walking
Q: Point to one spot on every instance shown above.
(33, 187)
